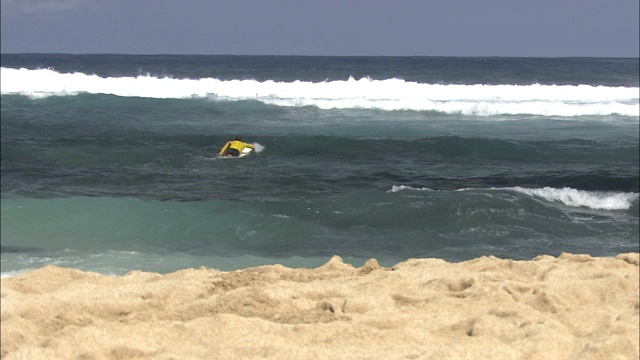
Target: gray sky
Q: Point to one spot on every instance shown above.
(601, 28)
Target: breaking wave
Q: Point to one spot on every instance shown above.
(365, 93)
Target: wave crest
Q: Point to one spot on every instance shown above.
(598, 200)
(388, 95)
(580, 198)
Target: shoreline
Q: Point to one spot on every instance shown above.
(548, 307)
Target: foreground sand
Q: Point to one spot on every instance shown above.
(570, 307)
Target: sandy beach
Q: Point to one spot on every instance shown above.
(569, 307)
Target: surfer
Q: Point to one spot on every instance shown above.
(235, 147)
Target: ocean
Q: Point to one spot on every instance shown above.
(109, 161)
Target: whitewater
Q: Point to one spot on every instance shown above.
(363, 93)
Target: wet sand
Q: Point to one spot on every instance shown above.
(569, 307)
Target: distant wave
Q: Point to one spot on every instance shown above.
(598, 200)
(365, 93)
(397, 188)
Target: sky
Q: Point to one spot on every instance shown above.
(538, 28)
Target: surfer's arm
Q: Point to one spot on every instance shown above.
(250, 146)
(224, 148)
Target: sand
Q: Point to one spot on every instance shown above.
(569, 307)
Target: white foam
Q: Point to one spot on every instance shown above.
(580, 198)
(598, 200)
(390, 94)
(396, 188)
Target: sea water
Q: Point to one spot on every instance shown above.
(109, 161)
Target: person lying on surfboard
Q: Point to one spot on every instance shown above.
(235, 147)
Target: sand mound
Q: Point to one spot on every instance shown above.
(573, 306)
